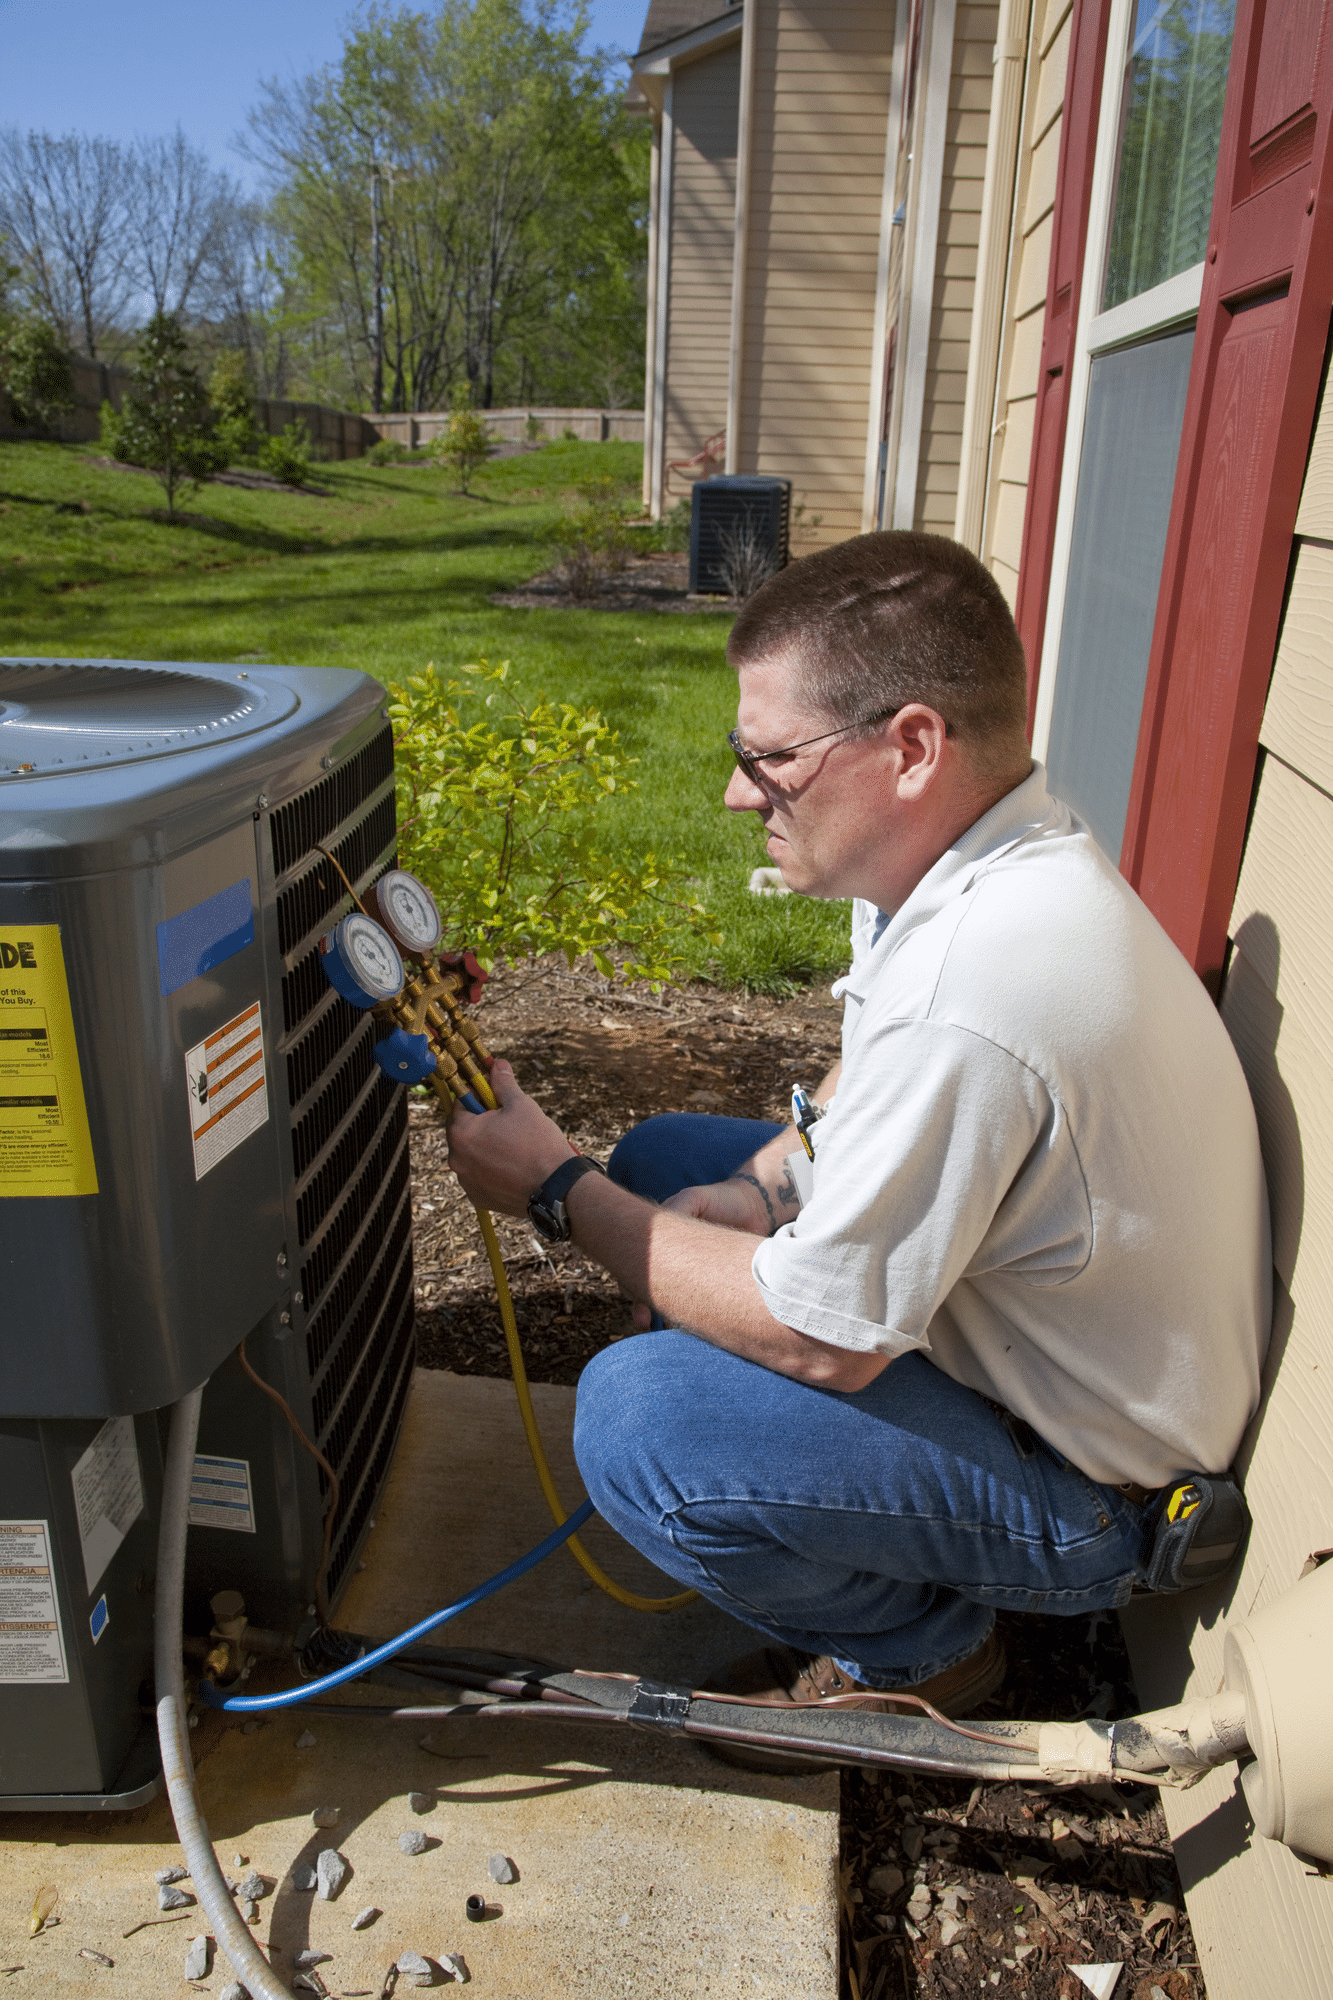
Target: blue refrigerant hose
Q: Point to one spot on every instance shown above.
(247, 1704)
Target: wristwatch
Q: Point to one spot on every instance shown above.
(546, 1208)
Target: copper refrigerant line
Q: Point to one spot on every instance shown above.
(431, 1004)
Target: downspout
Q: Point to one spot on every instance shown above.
(740, 246)
(993, 251)
(667, 151)
(650, 343)
(880, 335)
(928, 174)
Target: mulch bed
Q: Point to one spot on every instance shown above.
(1023, 1883)
(647, 583)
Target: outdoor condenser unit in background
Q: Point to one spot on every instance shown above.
(734, 519)
(196, 1148)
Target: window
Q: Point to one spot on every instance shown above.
(1151, 203)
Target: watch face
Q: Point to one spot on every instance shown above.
(548, 1219)
(407, 911)
(371, 957)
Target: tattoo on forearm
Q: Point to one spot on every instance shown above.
(755, 1182)
(787, 1195)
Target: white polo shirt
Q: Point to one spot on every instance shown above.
(1041, 1168)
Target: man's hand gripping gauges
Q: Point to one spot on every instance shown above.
(384, 957)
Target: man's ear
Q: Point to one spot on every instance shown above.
(920, 735)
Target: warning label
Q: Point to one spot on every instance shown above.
(45, 1147)
(32, 1647)
(108, 1494)
(220, 1495)
(227, 1087)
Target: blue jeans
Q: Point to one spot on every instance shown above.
(884, 1527)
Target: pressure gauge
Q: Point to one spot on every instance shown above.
(407, 911)
(362, 962)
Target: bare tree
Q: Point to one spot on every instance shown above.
(178, 209)
(64, 208)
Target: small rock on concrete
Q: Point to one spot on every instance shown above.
(331, 1871)
(885, 1881)
(501, 1869)
(96, 1957)
(365, 1918)
(304, 1879)
(305, 1741)
(421, 1802)
(313, 1957)
(240, 1861)
(415, 1969)
(454, 1966)
(196, 1959)
(252, 1885)
(166, 1875)
(326, 1815)
(413, 1841)
(233, 1992)
(169, 1897)
(249, 1909)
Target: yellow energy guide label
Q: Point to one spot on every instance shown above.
(45, 1146)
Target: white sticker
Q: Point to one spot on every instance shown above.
(32, 1647)
(220, 1494)
(225, 1080)
(108, 1494)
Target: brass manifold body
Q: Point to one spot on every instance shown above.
(432, 1004)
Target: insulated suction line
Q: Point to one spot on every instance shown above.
(459, 1086)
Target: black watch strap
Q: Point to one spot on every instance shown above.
(546, 1208)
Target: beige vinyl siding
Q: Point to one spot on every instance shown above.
(821, 95)
(955, 267)
(1262, 1919)
(705, 99)
(1025, 309)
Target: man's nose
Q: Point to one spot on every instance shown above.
(743, 794)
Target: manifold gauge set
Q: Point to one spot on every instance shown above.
(383, 957)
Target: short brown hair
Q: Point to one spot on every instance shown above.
(881, 620)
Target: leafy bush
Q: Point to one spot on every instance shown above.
(534, 430)
(111, 431)
(231, 396)
(591, 539)
(464, 443)
(287, 456)
(389, 451)
(673, 534)
(34, 371)
(166, 424)
(506, 818)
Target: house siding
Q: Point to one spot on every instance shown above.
(1255, 1905)
(1025, 309)
(821, 97)
(705, 102)
(955, 267)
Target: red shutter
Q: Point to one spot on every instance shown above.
(1069, 236)
(1254, 384)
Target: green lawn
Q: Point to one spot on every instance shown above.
(386, 571)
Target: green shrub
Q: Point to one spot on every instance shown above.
(534, 430)
(111, 433)
(591, 539)
(673, 535)
(464, 443)
(506, 818)
(231, 397)
(287, 456)
(389, 451)
(34, 371)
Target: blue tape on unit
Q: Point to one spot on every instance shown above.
(203, 937)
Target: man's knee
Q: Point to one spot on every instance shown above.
(645, 1160)
(628, 1443)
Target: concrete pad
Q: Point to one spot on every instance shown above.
(642, 1866)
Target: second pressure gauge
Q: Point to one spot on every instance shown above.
(407, 911)
(362, 961)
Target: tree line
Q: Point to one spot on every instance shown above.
(452, 212)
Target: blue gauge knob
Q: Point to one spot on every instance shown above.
(405, 1058)
(361, 960)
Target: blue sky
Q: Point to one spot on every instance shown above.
(143, 65)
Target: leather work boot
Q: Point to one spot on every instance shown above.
(782, 1677)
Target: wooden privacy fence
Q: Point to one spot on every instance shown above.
(417, 427)
(333, 433)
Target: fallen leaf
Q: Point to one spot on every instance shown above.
(45, 1901)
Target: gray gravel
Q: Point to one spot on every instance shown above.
(421, 1802)
(413, 1841)
(365, 1918)
(169, 1897)
(196, 1959)
(331, 1871)
(304, 1879)
(166, 1875)
(252, 1885)
(501, 1869)
(415, 1970)
(326, 1815)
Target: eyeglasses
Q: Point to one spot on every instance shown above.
(750, 760)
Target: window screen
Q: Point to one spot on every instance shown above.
(1131, 438)
(1170, 124)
